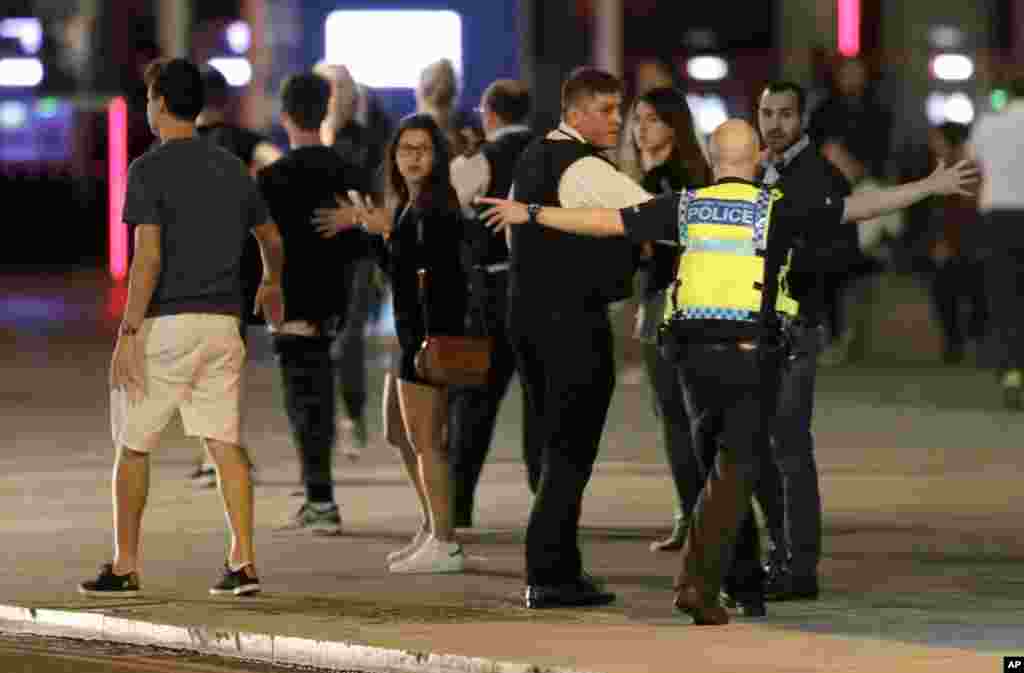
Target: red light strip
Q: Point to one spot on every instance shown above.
(848, 14)
(117, 177)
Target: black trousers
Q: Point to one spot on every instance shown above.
(731, 398)
(788, 487)
(568, 368)
(473, 411)
(308, 384)
(349, 348)
(956, 282)
(670, 407)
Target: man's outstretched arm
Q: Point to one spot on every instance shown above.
(601, 222)
(943, 180)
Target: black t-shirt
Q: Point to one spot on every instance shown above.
(205, 204)
(658, 220)
(294, 186)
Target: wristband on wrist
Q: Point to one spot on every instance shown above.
(127, 330)
(532, 211)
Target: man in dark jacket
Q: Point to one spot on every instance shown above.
(788, 488)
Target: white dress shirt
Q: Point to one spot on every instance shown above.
(591, 182)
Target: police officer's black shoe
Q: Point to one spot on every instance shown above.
(785, 586)
(584, 592)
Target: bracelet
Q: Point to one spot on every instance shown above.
(127, 330)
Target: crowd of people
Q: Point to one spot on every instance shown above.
(356, 203)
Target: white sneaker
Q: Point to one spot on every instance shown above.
(433, 556)
(409, 549)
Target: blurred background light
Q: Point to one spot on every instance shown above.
(237, 71)
(709, 111)
(20, 72)
(946, 37)
(848, 28)
(707, 68)
(353, 38)
(13, 114)
(952, 67)
(26, 30)
(953, 107)
(999, 98)
(239, 37)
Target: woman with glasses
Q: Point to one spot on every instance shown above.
(670, 158)
(424, 230)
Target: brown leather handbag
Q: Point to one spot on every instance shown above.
(450, 360)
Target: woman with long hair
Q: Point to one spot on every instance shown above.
(425, 231)
(670, 159)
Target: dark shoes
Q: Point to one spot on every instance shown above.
(746, 605)
(239, 582)
(783, 585)
(676, 539)
(703, 613)
(584, 592)
(109, 585)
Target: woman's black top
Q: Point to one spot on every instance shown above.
(428, 240)
(666, 177)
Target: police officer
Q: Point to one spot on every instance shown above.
(504, 109)
(725, 326)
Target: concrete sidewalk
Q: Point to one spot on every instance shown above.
(923, 568)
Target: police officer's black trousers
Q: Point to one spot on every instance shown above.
(308, 384)
(788, 485)
(731, 398)
(568, 368)
(473, 411)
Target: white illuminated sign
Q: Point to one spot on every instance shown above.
(20, 72)
(27, 31)
(237, 71)
(952, 67)
(239, 37)
(707, 68)
(353, 39)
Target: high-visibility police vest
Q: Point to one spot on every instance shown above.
(724, 233)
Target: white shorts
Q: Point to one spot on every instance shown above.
(193, 365)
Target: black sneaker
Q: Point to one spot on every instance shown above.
(746, 605)
(236, 582)
(109, 585)
(204, 476)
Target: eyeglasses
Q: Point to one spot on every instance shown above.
(409, 151)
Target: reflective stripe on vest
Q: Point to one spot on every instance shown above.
(724, 233)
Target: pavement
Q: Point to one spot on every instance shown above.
(923, 563)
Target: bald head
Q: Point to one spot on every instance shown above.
(734, 150)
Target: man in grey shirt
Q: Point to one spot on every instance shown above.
(179, 348)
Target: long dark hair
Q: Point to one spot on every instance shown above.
(437, 194)
(671, 107)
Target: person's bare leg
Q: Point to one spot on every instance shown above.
(398, 438)
(234, 480)
(424, 411)
(130, 486)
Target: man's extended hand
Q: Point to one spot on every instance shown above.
(270, 303)
(503, 212)
(329, 222)
(953, 179)
(128, 367)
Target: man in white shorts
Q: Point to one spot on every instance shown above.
(192, 205)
